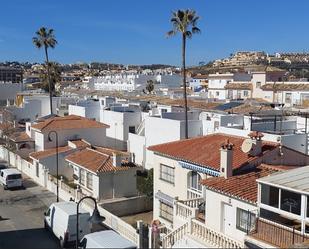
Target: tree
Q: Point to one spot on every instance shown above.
(54, 74)
(45, 38)
(145, 184)
(184, 22)
(150, 86)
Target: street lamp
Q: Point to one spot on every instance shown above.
(57, 159)
(95, 218)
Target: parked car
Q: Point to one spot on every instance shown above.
(106, 239)
(11, 178)
(60, 218)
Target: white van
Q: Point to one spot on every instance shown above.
(11, 178)
(106, 239)
(60, 218)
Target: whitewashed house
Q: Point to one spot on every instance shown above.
(122, 120)
(181, 167)
(103, 173)
(70, 127)
(217, 83)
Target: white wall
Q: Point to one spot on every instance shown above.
(214, 213)
(136, 145)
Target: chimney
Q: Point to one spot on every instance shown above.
(117, 158)
(256, 138)
(226, 159)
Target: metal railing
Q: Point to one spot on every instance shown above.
(277, 234)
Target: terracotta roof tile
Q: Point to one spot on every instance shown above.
(242, 186)
(285, 87)
(205, 151)
(239, 86)
(49, 152)
(68, 122)
(95, 161)
(20, 137)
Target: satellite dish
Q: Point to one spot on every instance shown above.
(246, 145)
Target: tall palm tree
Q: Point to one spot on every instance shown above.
(46, 38)
(55, 76)
(184, 22)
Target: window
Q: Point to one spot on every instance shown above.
(89, 180)
(82, 177)
(270, 195)
(132, 129)
(245, 220)
(167, 173)
(166, 211)
(217, 93)
(288, 97)
(37, 168)
(258, 84)
(195, 180)
(246, 93)
(290, 202)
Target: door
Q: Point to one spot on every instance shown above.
(227, 224)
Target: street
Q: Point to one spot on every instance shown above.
(21, 217)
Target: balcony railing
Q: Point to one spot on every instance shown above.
(187, 208)
(277, 234)
(194, 194)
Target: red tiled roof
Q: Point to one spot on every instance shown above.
(285, 87)
(242, 186)
(20, 137)
(205, 151)
(80, 143)
(95, 161)
(239, 86)
(68, 122)
(49, 152)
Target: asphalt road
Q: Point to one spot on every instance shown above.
(21, 217)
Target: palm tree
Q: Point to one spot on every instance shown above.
(54, 76)
(45, 38)
(184, 22)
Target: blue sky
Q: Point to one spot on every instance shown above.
(133, 32)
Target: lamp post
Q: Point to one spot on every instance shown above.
(57, 159)
(95, 218)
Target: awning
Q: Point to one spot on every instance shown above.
(199, 168)
(166, 199)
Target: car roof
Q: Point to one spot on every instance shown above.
(110, 239)
(69, 207)
(11, 171)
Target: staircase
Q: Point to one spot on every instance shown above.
(196, 232)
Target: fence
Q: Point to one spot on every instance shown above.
(277, 234)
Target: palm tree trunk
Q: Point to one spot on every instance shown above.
(49, 82)
(184, 82)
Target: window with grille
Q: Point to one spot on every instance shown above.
(166, 212)
(245, 220)
(89, 180)
(167, 173)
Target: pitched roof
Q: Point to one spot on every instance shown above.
(18, 137)
(239, 86)
(49, 152)
(241, 186)
(285, 87)
(68, 122)
(95, 161)
(205, 151)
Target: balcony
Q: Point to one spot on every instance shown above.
(276, 234)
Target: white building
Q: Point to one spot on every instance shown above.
(182, 203)
(68, 128)
(131, 82)
(217, 83)
(122, 120)
(103, 173)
